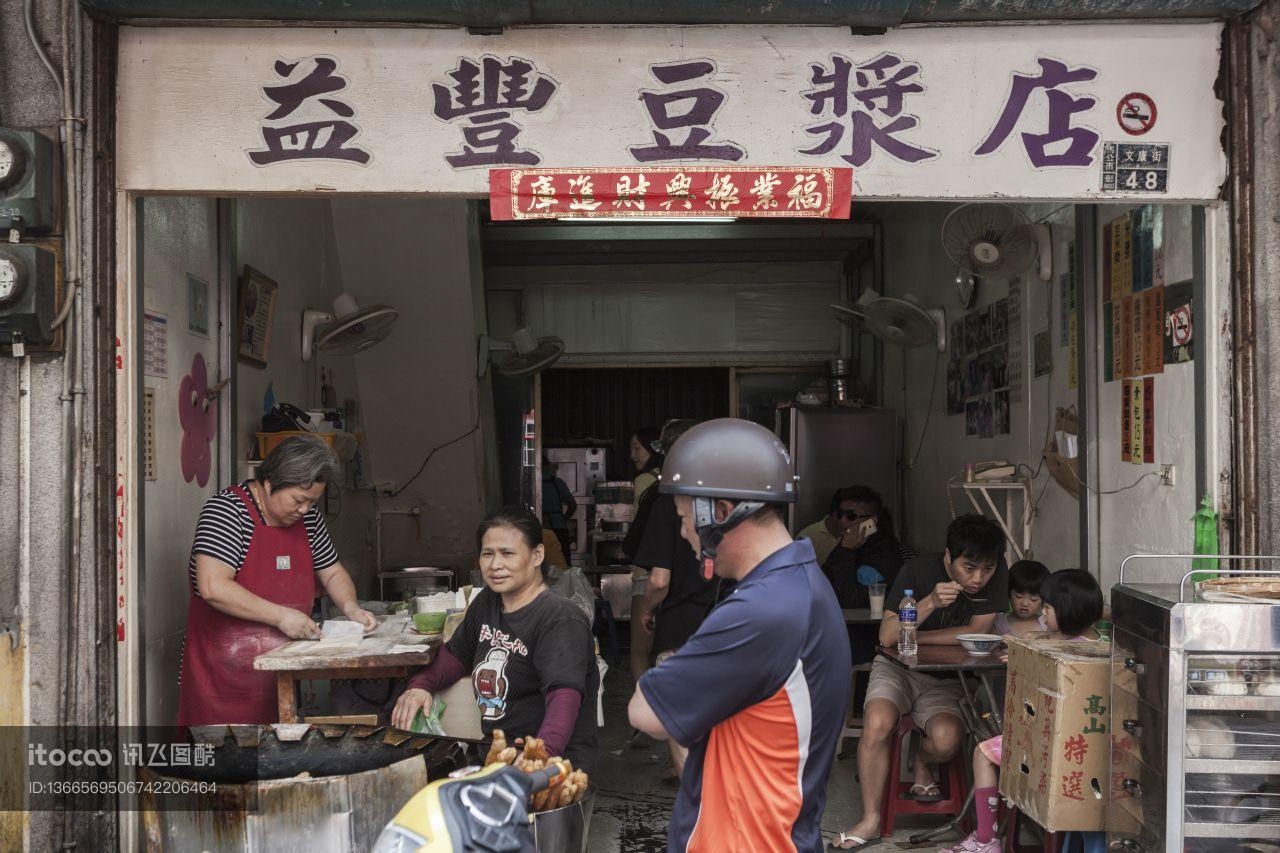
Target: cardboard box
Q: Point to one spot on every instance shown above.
(1057, 719)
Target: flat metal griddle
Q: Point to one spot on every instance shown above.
(244, 754)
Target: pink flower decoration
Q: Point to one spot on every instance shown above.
(199, 418)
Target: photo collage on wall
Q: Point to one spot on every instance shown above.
(1147, 322)
(979, 375)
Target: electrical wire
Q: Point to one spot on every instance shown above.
(28, 18)
(475, 428)
(928, 412)
(1113, 491)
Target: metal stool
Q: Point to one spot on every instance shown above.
(897, 801)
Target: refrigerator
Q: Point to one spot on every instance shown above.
(835, 446)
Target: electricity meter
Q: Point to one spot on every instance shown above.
(27, 294)
(13, 163)
(26, 181)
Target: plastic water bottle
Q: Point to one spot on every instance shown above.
(907, 619)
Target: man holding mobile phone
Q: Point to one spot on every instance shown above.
(867, 541)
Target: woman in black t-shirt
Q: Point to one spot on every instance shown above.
(528, 649)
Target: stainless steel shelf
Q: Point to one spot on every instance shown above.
(1257, 829)
(1231, 765)
(1232, 703)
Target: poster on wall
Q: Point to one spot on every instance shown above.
(197, 306)
(1149, 420)
(257, 313)
(1126, 421)
(971, 419)
(1152, 332)
(1136, 421)
(1178, 323)
(955, 389)
(1043, 354)
(155, 344)
(1014, 326)
(1138, 365)
(987, 376)
(149, 434)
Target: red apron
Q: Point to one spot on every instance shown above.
(219, 683)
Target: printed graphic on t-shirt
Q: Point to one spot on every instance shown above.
(490, 675)
(283, 564)
(490, 682)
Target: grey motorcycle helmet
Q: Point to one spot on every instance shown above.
(728, 459)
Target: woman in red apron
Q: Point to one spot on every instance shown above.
(259, 549)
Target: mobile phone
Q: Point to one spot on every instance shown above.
(869, 527)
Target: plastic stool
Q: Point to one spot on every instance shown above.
(897, 800)
(604, 612)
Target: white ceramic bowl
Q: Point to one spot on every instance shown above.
(980, 645)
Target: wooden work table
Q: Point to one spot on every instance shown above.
(309, 659)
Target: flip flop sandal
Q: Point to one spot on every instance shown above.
(926, 793)
(858, 843)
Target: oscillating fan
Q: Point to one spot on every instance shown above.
(995, 241)
(525, 354)
(897, 321)
(348, 330)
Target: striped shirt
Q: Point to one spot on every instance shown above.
(225, 528)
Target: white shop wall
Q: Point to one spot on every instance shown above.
(419, 387)
(179, 239)
(724, 310)
(1151, 517)
(291, 241)
(915, 264)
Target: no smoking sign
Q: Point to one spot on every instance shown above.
(1136, 113)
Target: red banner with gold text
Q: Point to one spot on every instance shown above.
(692, 191)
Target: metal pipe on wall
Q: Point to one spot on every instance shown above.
(1244, 472)
(1088, 400)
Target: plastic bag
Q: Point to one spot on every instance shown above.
(604, 668)
(430, 723)
(573, 585)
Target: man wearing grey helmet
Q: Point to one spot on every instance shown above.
(758, 693)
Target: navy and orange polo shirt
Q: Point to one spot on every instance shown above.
(758, 695)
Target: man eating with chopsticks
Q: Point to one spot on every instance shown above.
(967, 587)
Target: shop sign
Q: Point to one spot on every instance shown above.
(689, 191)
(1135, 167)
(972, 112)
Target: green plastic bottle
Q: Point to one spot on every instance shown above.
(1206, 541)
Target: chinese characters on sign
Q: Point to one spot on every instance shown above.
(870, 98)
(863, 107)
(324, 137)
(485, 94)
(1080, 141)
(1135, 167)
(686, 107)
(681, 192)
